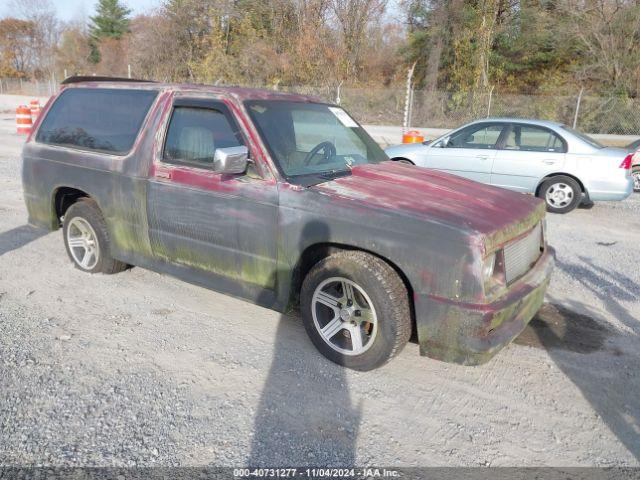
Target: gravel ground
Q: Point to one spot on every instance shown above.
(143, 369)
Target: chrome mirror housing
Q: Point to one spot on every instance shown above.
(231, 160)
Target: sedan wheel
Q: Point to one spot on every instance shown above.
(636, 178)
(561, 194)
(344, 316)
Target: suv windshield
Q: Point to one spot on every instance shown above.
(310, 142)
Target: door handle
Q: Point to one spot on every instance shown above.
(549, 162)
(483, 157)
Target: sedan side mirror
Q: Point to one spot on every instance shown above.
(231, 160)
(442, 143)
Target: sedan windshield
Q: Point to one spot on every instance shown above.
(310, 142)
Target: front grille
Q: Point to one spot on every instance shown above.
(519, 256)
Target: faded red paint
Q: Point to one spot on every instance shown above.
(432, 195)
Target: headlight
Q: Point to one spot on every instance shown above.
(488, 266)
(493, 272)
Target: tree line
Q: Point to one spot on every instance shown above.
(466, 47)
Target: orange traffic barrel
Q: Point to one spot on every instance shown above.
(412, 136)
(35, 108)
(23, 120)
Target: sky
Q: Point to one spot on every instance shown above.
(78, 9)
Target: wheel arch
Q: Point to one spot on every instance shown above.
(63, 197)
(557, 174)
(402, 159)
(319, 251)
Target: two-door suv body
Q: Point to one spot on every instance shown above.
(285, 201)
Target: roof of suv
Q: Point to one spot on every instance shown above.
(242, 93)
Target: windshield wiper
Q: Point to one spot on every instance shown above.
(331, 174)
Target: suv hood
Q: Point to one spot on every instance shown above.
(429, 195)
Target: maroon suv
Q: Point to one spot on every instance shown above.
(285, 201)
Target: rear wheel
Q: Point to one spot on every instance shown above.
(635, 173)
(87, 240)
(355, 309)
(561, 194)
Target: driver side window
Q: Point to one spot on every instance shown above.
(194, 135)
(476, 136)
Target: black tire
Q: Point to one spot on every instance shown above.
(87, 210)
(390, 302)
(635, 171)
(406, 161)
(563, 182)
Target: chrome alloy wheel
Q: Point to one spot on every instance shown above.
(636, 180)
(559, 195)
(83, 243)
(344, 316)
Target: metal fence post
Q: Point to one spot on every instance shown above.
(575, 117)
(489, 103)
(408, 98)
(338, 93)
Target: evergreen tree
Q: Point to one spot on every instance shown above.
(110, 21)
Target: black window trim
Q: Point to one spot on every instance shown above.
(485, 124)
(541, 127)
(141, 129)
(216, 105)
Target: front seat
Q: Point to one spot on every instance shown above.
(197, 145)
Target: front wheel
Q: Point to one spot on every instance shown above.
(355, 309)
(635, 173)
(561, 194)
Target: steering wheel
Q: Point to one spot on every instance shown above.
(328, 148)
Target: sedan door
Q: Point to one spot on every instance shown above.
(526, 154)
(469, 152)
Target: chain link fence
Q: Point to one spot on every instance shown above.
(17, 86)
(438, 109)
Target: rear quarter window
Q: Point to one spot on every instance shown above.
(100, 119)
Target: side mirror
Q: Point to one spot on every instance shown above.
(442, 143)
(231, 160)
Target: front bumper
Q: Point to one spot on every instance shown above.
(471, 334)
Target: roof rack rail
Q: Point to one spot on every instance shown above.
(87, 78)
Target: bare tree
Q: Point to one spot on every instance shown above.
(354, 17)
(42, 15)
(608, 33)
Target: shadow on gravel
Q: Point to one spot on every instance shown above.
(305, 416)
(610, 287)
(557, 327)
(19, 237)
(610, 382)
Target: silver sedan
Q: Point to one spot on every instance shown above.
(547, 159)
